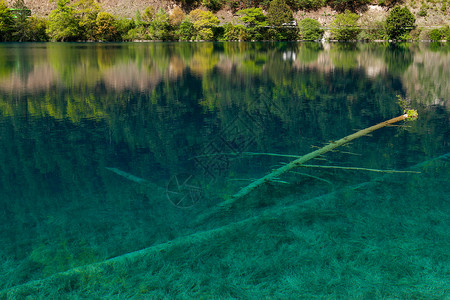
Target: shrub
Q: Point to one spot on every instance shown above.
(423, 11)
(372, 28)
(435, 34)
(310, 29)
(438, 34)
(446, 33)
(344, 27)
(399, 23)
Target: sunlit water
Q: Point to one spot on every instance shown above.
(110, 148)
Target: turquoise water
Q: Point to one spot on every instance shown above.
(107, 149)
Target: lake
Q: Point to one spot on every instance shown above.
(115, 159)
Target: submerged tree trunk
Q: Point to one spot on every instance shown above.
(296, 163)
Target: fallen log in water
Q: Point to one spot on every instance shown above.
(275, 174)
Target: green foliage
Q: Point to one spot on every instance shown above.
(446, 33)
(106, 27)
(86, 12)
(305, 4)
(255, 20)
(279, 13)
(213, 5)
(20, 28)
(344, 27)
(343, 5)
(405, 105)
(6, 23)
(234, 32)
(412, 114)
(36, 29)
(160, 28)
(63, 24)
(436, 34)
(148, 14)
(442, 33)
(124, 26)
(310, 29)
(423, 10)
(203, 21)
(252, 17)
(372, 30)
(176, 17)
(391, 3)
(186, 30)
(137, 33)
(399, 22)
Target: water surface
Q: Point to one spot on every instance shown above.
(110, 148)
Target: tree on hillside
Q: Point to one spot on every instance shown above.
(254, 19)
(399, 23)
(160, 28)
(344, 27)
(106, 27)
(213, 5)
(36, 31)
(6, 22)
(63, 25)
(279, 13)
(148, 14)
(176, 17)
(203, 22)
(20, 28)
(186, 30)
(305, 4)
(310, 29)
(86, 12)
(351, 5)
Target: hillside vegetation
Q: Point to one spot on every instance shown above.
(119, 20)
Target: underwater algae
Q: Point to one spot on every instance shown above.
(374, 240)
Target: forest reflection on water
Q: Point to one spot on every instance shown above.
(37, 67)
(77, 119)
